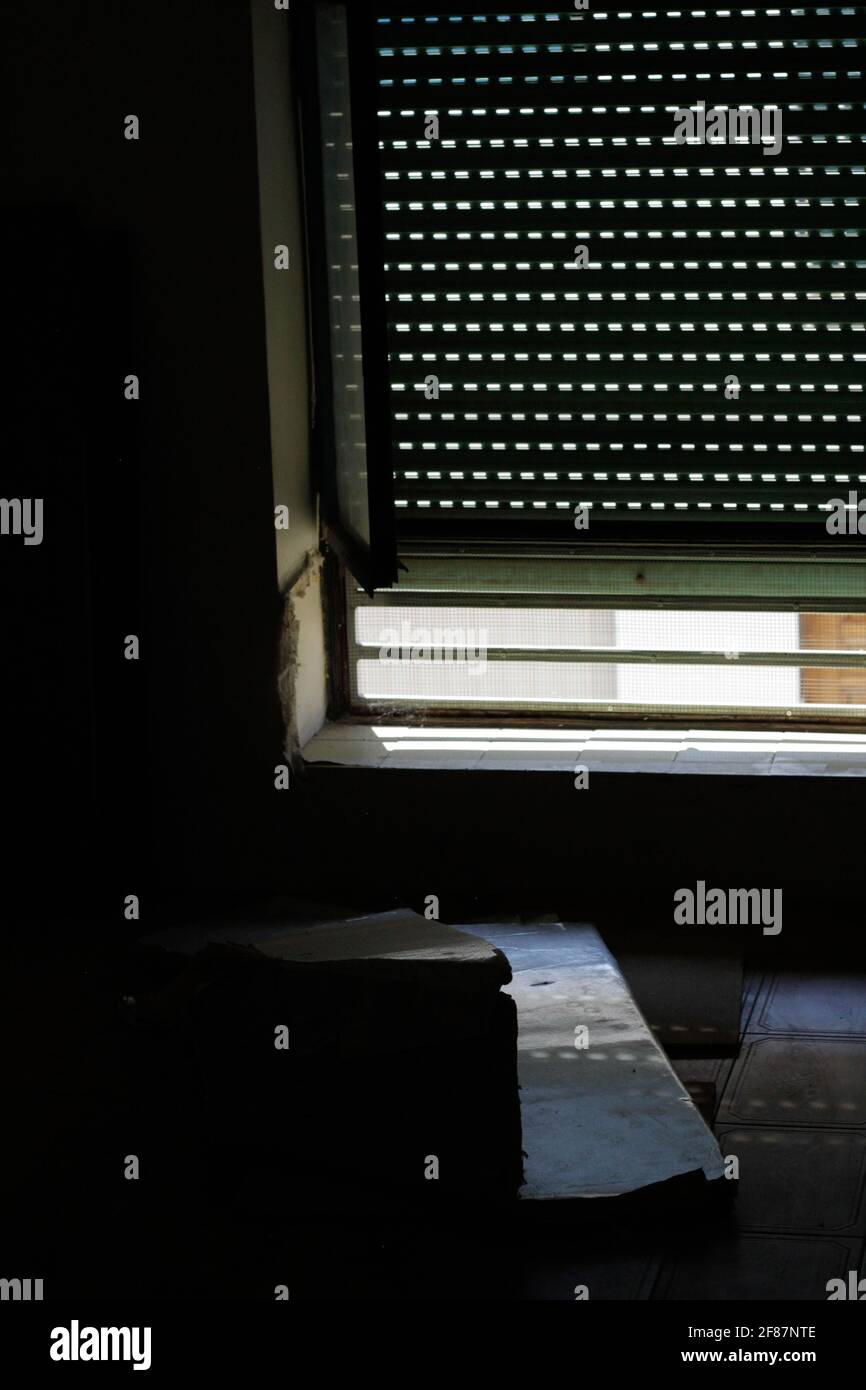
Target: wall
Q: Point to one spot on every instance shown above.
(302, 672)
(191, 811)
(614, 853)
(197, 795)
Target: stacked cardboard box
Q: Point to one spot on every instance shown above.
(378, 1048)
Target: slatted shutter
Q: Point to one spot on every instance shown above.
(603, 387)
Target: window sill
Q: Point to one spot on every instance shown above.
(680, 752)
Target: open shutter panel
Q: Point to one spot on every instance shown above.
(350, 413)
(605, 385)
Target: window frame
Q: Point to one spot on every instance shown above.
(374, 563)
(630, 581)
(626, 564)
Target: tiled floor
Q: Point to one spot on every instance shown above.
(791, 1107)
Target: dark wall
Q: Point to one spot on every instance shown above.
(159, 779)
(614, 853)
(181, 484)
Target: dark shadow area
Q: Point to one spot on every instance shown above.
(153, 779)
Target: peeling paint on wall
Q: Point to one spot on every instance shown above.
(296, 683)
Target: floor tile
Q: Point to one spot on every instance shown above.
(756, 1267)
(811, 1003)
(797, 1081)
(798, 1180)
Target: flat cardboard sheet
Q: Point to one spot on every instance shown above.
(609, 1115)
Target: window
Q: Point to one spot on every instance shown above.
(620, 254)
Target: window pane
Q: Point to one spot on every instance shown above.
(614, 659)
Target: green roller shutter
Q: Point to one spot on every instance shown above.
(604, 386)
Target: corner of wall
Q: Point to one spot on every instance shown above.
(302, 659)
(302, 654)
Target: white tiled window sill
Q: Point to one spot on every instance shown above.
(702, 751)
